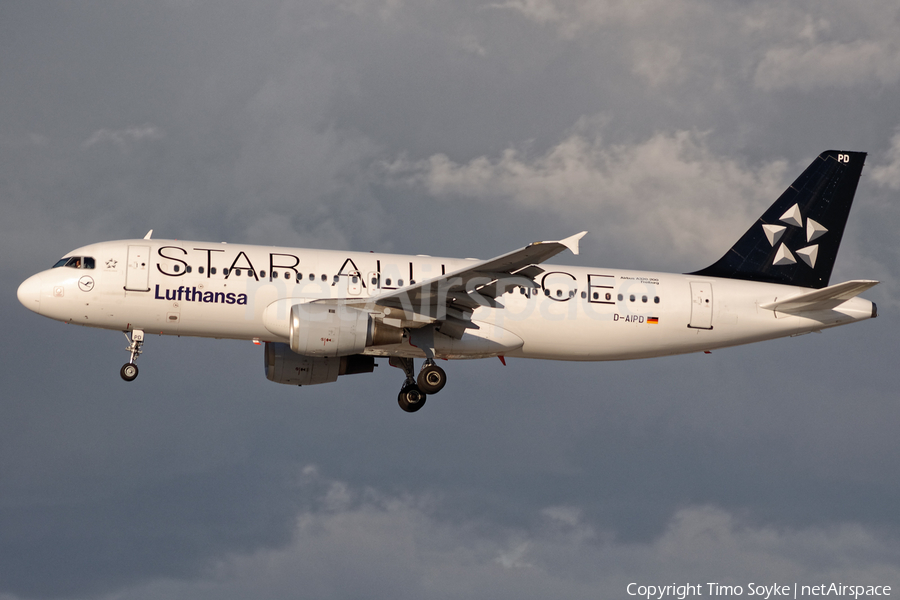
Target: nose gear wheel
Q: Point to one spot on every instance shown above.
(129, 370)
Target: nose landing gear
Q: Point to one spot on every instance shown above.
(129, 370)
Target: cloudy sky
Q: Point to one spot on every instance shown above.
(460, 128)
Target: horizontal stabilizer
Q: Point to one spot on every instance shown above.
(824, 299)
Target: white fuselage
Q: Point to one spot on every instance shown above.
(212, 290)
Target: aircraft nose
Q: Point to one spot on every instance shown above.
(30, 293)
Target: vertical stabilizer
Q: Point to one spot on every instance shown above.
(796, 241)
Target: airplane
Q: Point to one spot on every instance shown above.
(322, 314)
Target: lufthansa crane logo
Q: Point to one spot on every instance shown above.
(86, 284)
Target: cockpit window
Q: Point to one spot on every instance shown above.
(76, 262)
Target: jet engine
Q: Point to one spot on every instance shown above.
(286, 366)
(328, 329)
(320, 329)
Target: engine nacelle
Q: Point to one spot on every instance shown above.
(328, 329)
(320, 329)
(285, 366)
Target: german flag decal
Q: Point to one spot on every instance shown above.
(653, 320)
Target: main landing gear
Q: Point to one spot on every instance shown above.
(129, 370)
(432, 378)
(414, 392)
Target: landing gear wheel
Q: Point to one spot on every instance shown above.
(129, 371)
(432, 379)
(411, 398)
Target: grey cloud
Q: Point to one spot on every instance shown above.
(670, 191)
(888, 174)
(842, 65)
(397, 547)
(121, 136)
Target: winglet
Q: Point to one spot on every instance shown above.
(149, 233)
(571, 242)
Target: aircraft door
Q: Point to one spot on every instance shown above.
(701, 305)
(137, 272)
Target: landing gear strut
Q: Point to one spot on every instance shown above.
(129, 370)
(411, 398)
(431, 380)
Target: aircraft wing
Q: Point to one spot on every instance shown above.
(823, 299)
(451, 298)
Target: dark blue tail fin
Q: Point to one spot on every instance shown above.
(796, 241)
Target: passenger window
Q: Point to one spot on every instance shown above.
(656, 300)
(336, 279)
(237, 272)
(399, 283)
(225, 272)
(324, 277)
(187, 269)
(619, 297)
(200, 270)
(176, 268)
(584, 295)
(374, 281)
(312, 277)
(212, 270)
(596, 296)
(412, 282)
(287, 275)
(387, 281)
(643, 298)
(631, 298)
(262, 273)
(608, 296)
(354, 279)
